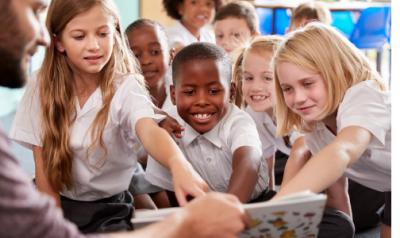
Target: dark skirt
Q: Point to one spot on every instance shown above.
(104, 215)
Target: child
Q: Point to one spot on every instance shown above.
(192, 18)
(86, 114)
(235, 24)
(307, 12)
(326, 88)
(148, 41)
(220, 140)
(258, 94)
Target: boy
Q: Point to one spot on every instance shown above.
(235, 24)
(220, 141)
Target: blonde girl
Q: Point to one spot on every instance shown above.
(85, 116)
(327, 89)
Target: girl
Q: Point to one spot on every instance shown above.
(193, 19)
(259, 95)
(148, 41)
(85, 115)
(327, 89)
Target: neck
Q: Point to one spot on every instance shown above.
(194, 31)
(158, 94)
(86, 84)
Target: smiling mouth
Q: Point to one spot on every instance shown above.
(303, 109)
(202, 117)
(258, 98)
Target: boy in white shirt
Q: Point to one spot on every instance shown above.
(220, 141)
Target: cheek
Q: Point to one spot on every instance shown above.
(288, 100)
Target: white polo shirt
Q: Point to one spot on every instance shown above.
(93, 178)
(366, 106)
(211, 153)
(267, 131)
(179, 34)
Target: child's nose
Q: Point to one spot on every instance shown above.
(201, 99)
(93, 43)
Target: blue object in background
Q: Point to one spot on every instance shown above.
(372, 30)
(344, 21)
(281, 21)
(265, 15)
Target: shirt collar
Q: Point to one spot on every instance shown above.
(212, 136)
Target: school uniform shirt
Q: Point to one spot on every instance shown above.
(267, 130)
(366, 106)
(98, 176)
(211, 153)
(178, 33)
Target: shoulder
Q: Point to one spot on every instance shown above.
(364, 92)
(126, 83)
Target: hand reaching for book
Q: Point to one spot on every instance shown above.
(213, 215)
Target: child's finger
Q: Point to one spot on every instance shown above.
(180, 196)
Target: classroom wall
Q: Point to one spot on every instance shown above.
(154, 10)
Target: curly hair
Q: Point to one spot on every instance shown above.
(171, 7)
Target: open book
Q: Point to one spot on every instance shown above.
(297, 215)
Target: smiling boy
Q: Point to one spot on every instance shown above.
(220, 141)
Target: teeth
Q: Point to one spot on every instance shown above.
(258, 98)
(201, 17)
(202, 116)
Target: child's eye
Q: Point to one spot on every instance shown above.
(210, 4)
(267, 78)
(214, 91)
(155, 52)
(219, 36)
(78, 37)
(104, 34)
(248, 78)
(193, 2)
(188, 92)
(236, 35)
(308, 84)
(286, 89)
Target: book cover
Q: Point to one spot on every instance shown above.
(297, 215)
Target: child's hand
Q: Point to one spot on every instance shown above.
(187, 182)
(172, 126)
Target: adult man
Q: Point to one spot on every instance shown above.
(26, 212)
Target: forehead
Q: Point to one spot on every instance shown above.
(231, 23)
(95, 17)
(146, 32)
(200, 71)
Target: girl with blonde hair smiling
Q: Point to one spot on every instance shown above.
(327, 89)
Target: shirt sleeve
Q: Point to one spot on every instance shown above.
(24, 211)
(131, 103)
(26, 128)
(243, 132)
(366, 106)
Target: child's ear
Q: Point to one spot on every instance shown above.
(59, 44)
(232, 92)
(172, 93)
(171, 55)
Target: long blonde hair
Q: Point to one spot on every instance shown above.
(321, 49)
(57, 95)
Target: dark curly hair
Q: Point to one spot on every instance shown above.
(171, 7)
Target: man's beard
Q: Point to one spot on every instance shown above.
(12, 73)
